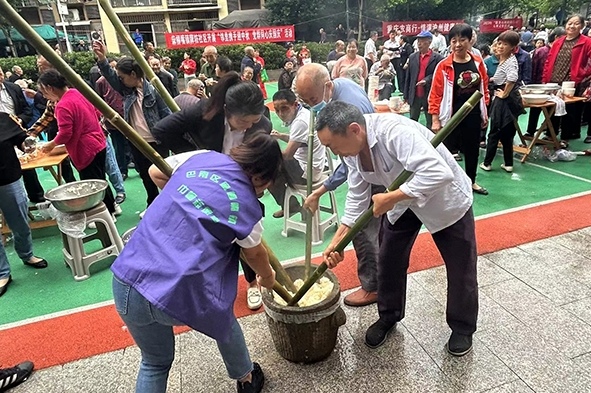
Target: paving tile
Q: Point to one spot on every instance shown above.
(569, 263)
(538, 363)
(490, 273)
(539, 273)
(581, 309)
(577, 241)
(476, 371)
(517, 386)
(583, 361)
(43, 381)
(93, 375)
(556, 326)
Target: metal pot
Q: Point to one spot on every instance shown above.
(77, 196)
(547, 88)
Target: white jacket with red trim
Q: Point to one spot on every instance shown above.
(442, 89)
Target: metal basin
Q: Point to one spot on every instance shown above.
(77, 196)
(548, 88)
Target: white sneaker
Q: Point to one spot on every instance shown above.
(254, 298)
(485, 167)
(507, 168)
(143, 213)
(118, 210)
(92, 225)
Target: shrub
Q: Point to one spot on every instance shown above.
(272, 53)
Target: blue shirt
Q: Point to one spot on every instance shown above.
(346, 90)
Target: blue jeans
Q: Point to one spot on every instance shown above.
(112, 169)
(151, 330)
(14, 207)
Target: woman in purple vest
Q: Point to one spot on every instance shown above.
(181, 265)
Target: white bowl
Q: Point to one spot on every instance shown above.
(568, 91)
(535, 99)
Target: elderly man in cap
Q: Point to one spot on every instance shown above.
(421, 66)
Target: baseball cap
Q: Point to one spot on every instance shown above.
(425, 34)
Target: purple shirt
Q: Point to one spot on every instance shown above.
(182, 258)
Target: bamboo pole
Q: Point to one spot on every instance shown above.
(76, 80)
(403, 177)
(309, 215)
(148, 72)
(73, 78)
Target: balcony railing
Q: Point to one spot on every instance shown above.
(28, 3)
(192, 3)
(136, 3)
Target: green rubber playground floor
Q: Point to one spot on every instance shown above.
(35, 293)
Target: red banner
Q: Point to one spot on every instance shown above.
(499, 25)
(415, 27)
(191, 39)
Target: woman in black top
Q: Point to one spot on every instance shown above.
(406, 50)
(13, 200)
(287, 75)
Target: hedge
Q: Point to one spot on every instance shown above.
(81, 62)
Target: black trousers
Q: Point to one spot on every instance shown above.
(122, 150)
(295, 172)
(96, 170)
(457, 245)
(532, 122)
(505, 135)
(34, 188)
(142, 164)
(569, 124)
(415, 110)
(385, 93)
(67, 170)
(466, 137)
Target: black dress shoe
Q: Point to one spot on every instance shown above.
(481, 191)
(459, 344)
(5, 286)
(378, 332)
(42, 264)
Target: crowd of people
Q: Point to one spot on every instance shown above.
(224, 133)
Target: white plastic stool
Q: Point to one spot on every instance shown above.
(319, 226)
(74, 253)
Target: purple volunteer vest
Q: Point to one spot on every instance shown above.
(182, 257)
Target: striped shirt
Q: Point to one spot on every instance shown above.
(507, 71)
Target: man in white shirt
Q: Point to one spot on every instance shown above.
(439, 44)
(295, 155)
(376, 149)
(371, 53)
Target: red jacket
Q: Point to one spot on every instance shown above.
(579, 65)
(441, 94)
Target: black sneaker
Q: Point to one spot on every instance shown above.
(258, 380)
(378, 332)
(459, 344)
(11, 377)
(587, 139)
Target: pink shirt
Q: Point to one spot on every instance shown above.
(79, 128)
(355, 69)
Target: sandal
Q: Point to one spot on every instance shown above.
(254, 298)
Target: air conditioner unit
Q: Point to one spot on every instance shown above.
(74, 14)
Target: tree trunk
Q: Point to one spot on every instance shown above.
(6, 31)
(360, 25)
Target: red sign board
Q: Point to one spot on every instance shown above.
(415, 27)
(499, 25)
(191, 39)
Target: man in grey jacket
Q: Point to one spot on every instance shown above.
(421, 66)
